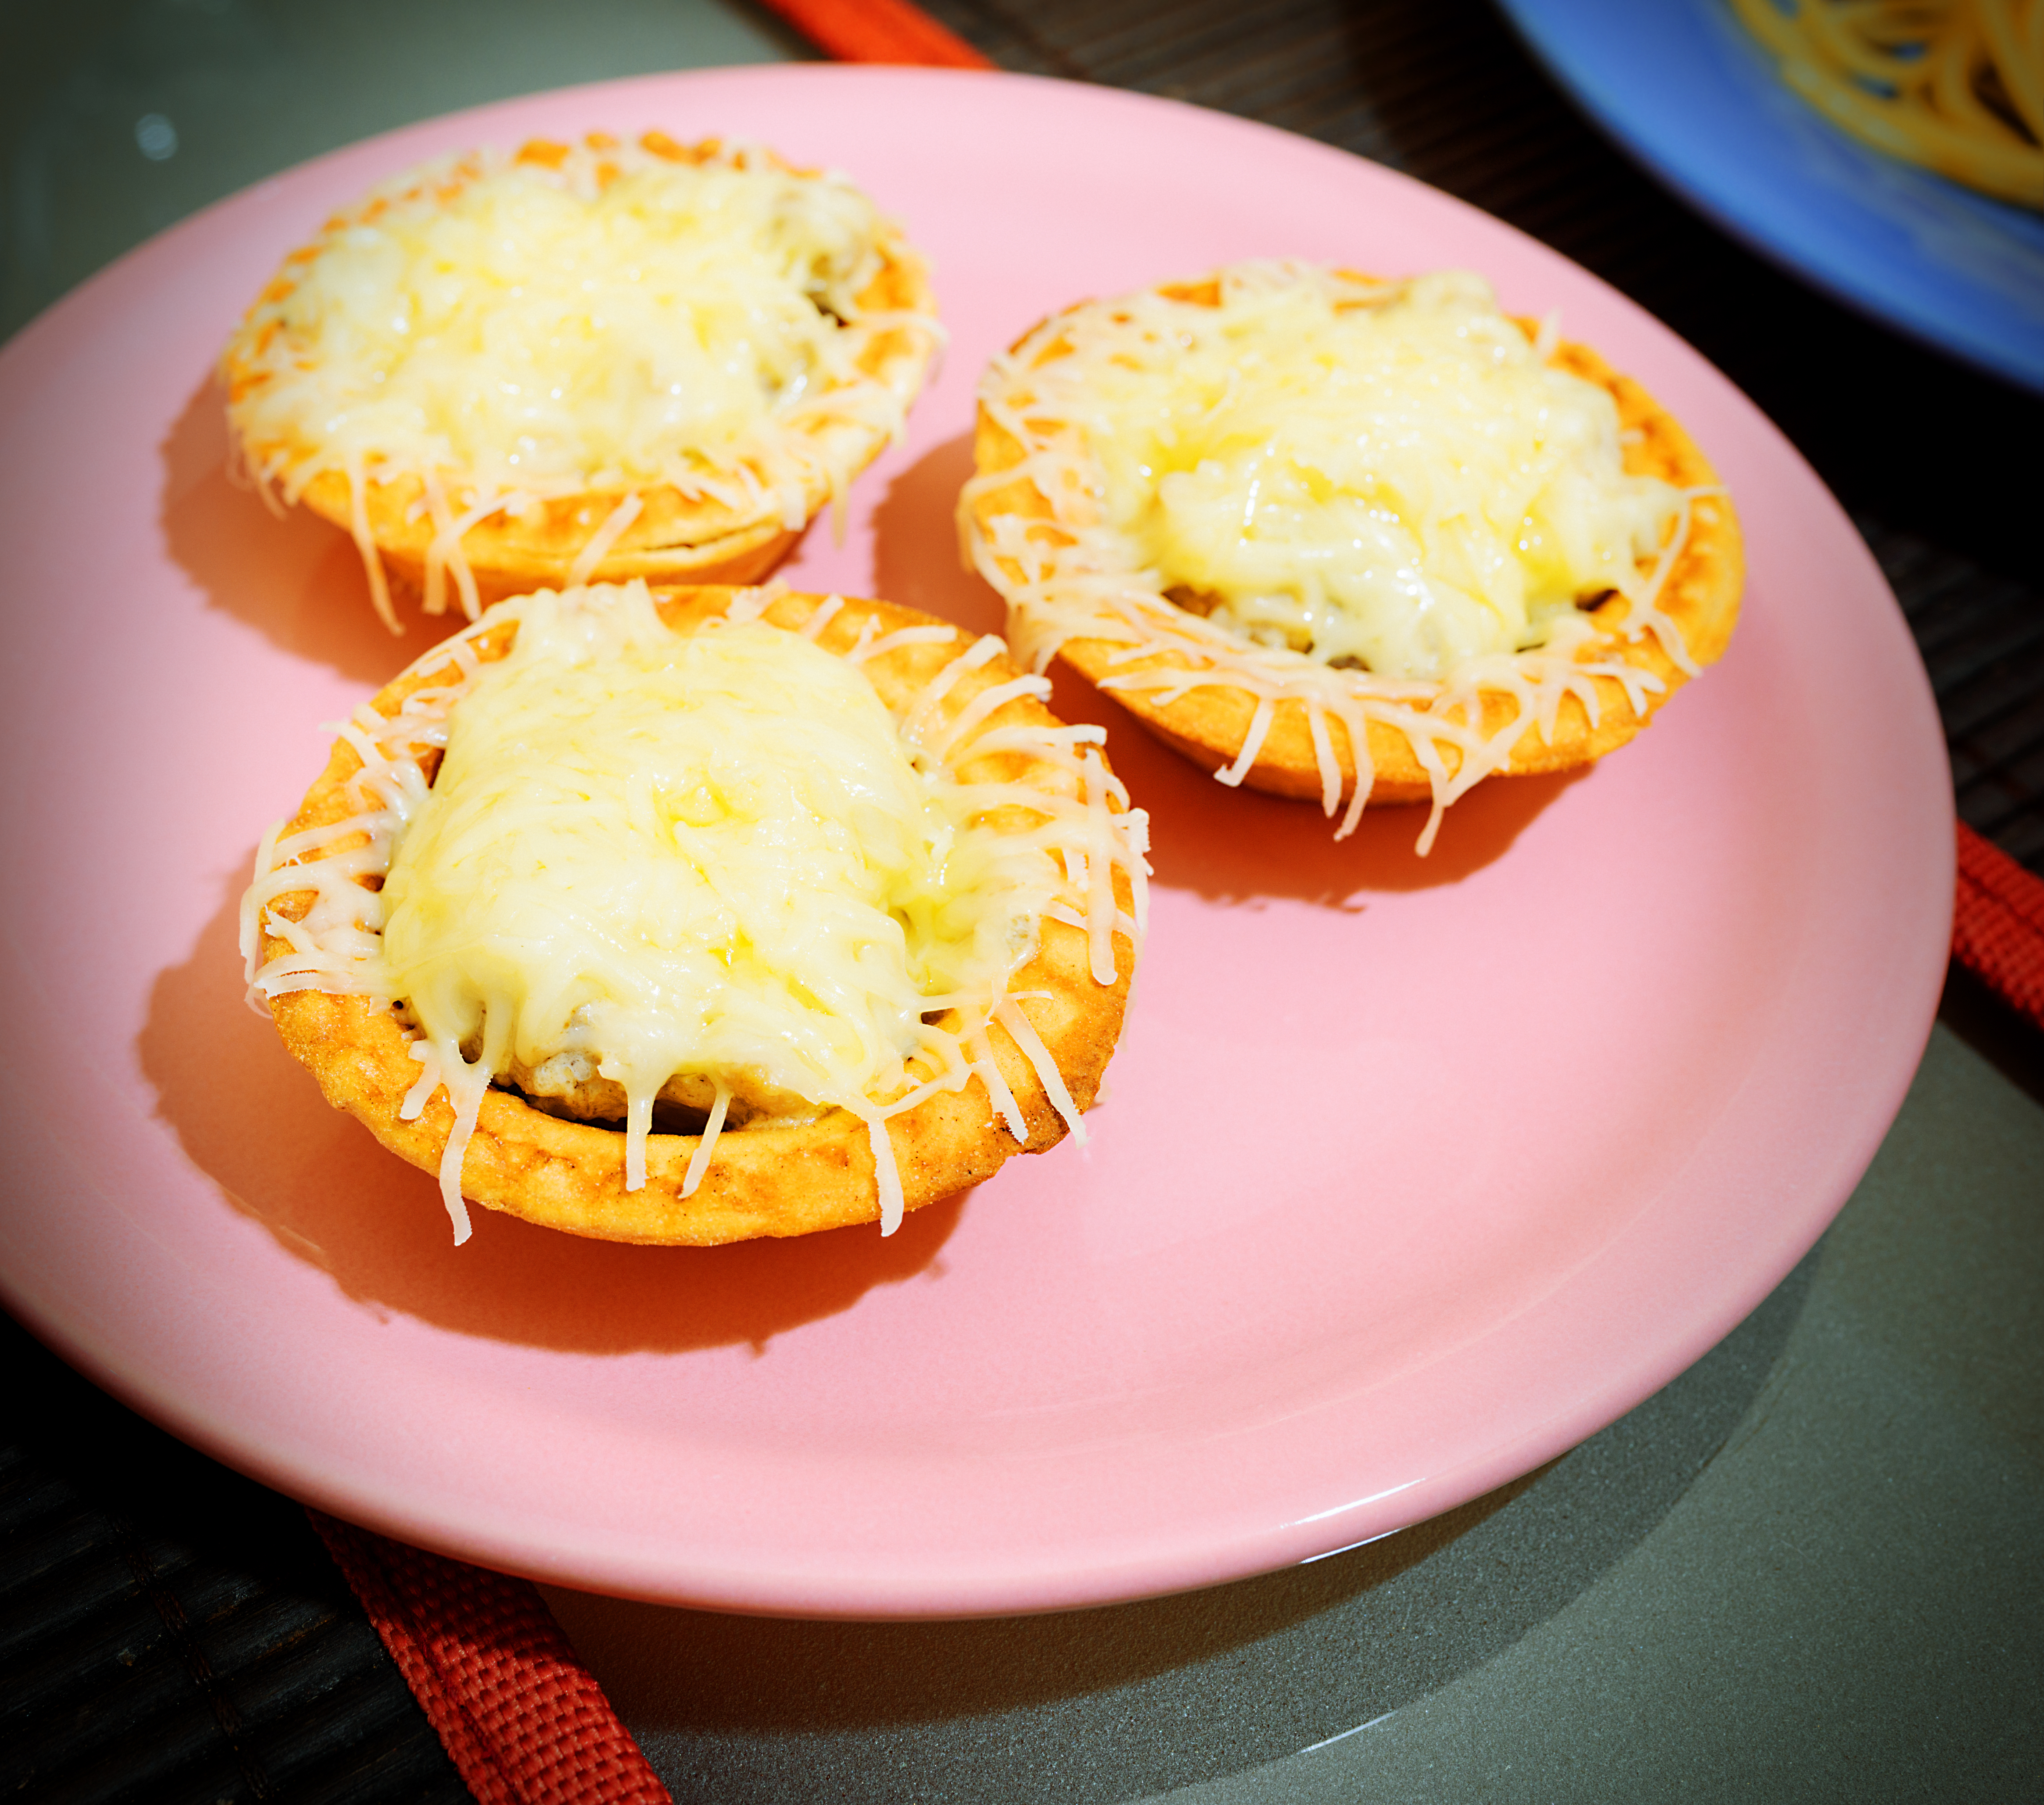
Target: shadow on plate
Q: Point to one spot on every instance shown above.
(298, 580)
(1130, 1700)
(1225, 845)
(1235, 846)
(916, 556)
(248, 1115)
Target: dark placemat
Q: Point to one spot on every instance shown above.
(172, 1632)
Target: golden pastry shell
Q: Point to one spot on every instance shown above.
(761, 1180)
(1209, 724)
(676, 538)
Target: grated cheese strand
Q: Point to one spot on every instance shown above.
(600, 541)
(886, 1173)
(699, 1160)
(1006, 1110)
(365, 546)
(1008, 1013)
(465, 1088)
(1252, 742)
(824, 613)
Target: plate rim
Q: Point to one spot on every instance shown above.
(48, 1318)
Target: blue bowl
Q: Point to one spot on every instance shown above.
(1684, 89)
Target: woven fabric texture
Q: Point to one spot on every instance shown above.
(1998, 926)
(877, 30)
(520, 1716)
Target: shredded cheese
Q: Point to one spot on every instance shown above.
(707, 869)
(1378, 499)
(576, 319)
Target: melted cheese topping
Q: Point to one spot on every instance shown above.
(657, 857)
(575, 318)
(1405, 485)
(1376, 498)
(702, 854)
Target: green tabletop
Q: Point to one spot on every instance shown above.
(1808, 1569)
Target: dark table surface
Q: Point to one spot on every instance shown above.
(1806, 1568)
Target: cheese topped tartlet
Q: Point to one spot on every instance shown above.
(693, 916)
(580, 363)
(1341, 538)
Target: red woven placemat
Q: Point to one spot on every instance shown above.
(1998, 923)
(522, 1718)
(877, 30)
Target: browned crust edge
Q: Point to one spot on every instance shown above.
(676, 539)
(1209, 725)
(760, 1181)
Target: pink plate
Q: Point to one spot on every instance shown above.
(1413, 1173)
